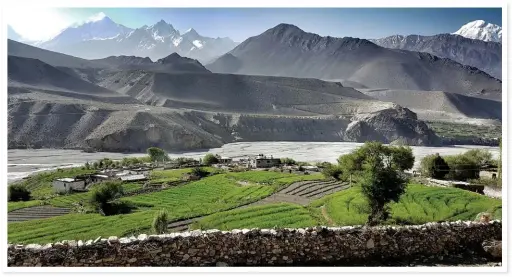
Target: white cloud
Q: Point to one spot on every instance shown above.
(36, 23)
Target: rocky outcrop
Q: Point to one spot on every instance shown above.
(345, 246)
(391, 125)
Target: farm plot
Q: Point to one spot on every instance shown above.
(37, 212)
(209, 195)
(418, 205)
(281, 215)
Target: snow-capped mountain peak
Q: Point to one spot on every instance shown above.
(97, 17)
(480, 30)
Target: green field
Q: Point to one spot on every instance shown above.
(418, 205)
(209, 195)
(266, 216)
(11, 206)
(461, 131)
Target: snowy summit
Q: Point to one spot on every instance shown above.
(480, 30)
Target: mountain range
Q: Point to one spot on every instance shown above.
(101, 37)
(284, 84)
(286, 50)
(484, 55)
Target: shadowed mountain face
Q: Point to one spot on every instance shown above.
(286, 50)
(483, 55)
(116, 109)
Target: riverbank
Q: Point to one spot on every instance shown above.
(23, 162)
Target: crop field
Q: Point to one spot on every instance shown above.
(12, 206)
(418, 205)
(209, 195)
(282, 215)
(457, 130)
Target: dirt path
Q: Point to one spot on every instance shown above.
(326, 216)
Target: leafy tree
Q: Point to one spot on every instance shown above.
(210, 159)
(434, 166)
(157, 155)
(331, 170)
(87, 166)
(402, 157)
(159, 225)
(480, 157)
(462, 168)
(18, 193)
(381, 183)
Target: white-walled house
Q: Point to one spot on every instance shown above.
(68, 184)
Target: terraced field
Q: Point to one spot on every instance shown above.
(210, 195)
(38, 212)
(299, 193)
(418, 205)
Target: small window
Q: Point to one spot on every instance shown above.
(268, 161)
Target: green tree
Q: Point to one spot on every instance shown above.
(434, 166)
(462, 168)
(157, 155)
(399, 157)
(18, 193)
(480, 157)
(382, 182)
(332, 171)
(159, 225)
(87, 166)
(210, 159)
(288, 161)
(402, 157)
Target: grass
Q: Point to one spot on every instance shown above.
(11, 206)
(212, 194)
(418, 205)
(280, 215)
(170, 175)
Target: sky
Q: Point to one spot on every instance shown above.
(241, 23)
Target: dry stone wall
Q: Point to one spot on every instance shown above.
(340, 246)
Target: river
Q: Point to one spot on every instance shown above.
(23, 162)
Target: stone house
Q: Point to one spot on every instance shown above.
(262, 161)
(68, 184)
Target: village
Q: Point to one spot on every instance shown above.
(141, 173)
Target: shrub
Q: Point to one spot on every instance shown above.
(159, 225)
(480, 157)
(104, 194)
(157, 154)
(288, 161)
(434, 166)
(332, 171)
(18, 193)
(210, 159)
(200, 172)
